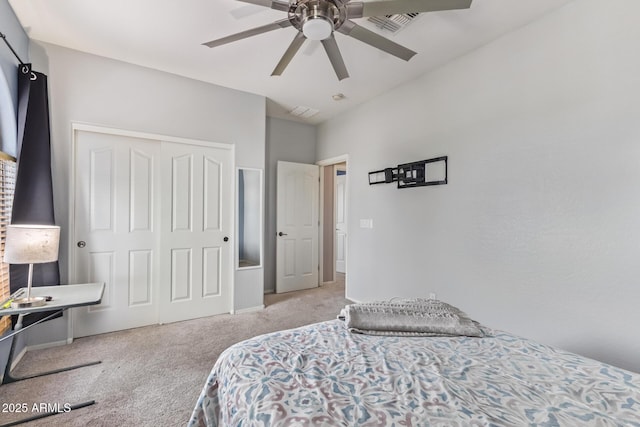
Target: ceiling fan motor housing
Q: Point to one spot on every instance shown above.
(317, 19)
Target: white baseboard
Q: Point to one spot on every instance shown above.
(249, 310)
(17, 358)
(46, 345)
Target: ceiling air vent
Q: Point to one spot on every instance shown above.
(393, 23)
(304, 112)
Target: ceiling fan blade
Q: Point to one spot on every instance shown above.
(391, 7)
(273, 4)
(354, 30)
(293, 48)
(331, 47)
(283, 23)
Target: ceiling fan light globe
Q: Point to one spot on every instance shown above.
(318, 28)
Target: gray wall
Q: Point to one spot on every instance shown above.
(10, 27)
(537, 231)
(291, 142)
(95, 90)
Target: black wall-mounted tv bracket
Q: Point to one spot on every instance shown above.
(408, 175)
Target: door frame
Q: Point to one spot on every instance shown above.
(336, 178)
(70, 234)
(330, 162)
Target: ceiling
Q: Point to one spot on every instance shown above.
(168, 35)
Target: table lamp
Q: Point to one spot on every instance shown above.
(31, 244)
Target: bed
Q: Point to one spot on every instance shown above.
(328, 374)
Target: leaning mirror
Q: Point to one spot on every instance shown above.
(249, 219)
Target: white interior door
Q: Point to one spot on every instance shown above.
(196, 263)
(297, 226)
(341, 221)
(115, 226)
(150, 221)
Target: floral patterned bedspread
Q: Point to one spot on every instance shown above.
(322, 375)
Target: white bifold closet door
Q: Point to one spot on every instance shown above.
(153, 221)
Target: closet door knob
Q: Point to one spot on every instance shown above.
(82, 244)
(226, 239)
(282, 234)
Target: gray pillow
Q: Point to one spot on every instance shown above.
(409, 317)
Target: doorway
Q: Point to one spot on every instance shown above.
(340, 215)
(333, 218)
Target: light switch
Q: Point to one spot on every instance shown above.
(366, 223)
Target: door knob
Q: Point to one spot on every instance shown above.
(226, 239)
(82, 244)
(282, 234)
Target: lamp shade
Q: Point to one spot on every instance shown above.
(31, 244)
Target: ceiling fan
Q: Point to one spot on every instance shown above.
(319, 19)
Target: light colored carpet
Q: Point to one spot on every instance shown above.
(152, 376)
